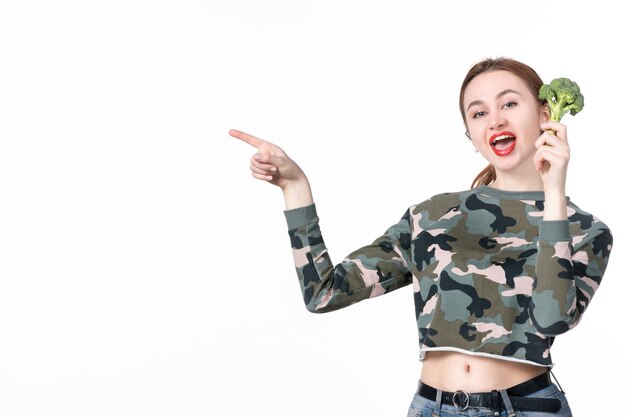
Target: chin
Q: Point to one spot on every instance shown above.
(516, 167)
(507, 166)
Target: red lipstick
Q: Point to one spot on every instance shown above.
(502, 143)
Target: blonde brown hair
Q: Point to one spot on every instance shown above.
(526, 73)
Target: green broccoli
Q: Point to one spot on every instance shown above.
(562, 96)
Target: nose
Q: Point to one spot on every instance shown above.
(497, 120)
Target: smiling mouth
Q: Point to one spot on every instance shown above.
(502, 143)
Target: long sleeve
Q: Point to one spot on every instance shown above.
(368, 272)
(568, 272)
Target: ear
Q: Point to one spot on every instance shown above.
(544, 113)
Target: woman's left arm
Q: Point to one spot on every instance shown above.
(572, 257)
(569, 269)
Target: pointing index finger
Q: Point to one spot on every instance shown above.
(249, 139)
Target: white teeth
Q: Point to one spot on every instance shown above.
(500, 138)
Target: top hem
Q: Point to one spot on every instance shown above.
(485, 355)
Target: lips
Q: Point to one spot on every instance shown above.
(502, 143)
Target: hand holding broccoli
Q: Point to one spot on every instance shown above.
(562, 96)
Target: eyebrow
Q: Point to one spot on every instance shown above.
(500, 94)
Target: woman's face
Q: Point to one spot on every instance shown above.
(503, 119)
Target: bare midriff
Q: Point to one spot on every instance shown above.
(452, 371)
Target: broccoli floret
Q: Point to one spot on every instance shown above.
(563, 96)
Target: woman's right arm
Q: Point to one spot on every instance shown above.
(373, 270)
(368, 272)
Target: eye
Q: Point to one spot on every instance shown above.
(509, 104)
(479, 114)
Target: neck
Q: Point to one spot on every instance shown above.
(525, 180)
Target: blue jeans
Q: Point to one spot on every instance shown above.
(422, 407)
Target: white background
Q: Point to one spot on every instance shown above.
(144, 272)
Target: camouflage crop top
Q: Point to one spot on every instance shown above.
(489, 276)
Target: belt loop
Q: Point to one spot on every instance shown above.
(438, 405)
(495, 403)
(507, 403)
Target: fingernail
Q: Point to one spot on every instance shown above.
(257, 156)
(273, 169)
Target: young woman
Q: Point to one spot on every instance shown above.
(497, 271)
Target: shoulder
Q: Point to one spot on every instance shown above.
(447, 199)
(442, 203)
(586, 229)
(583, 219)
